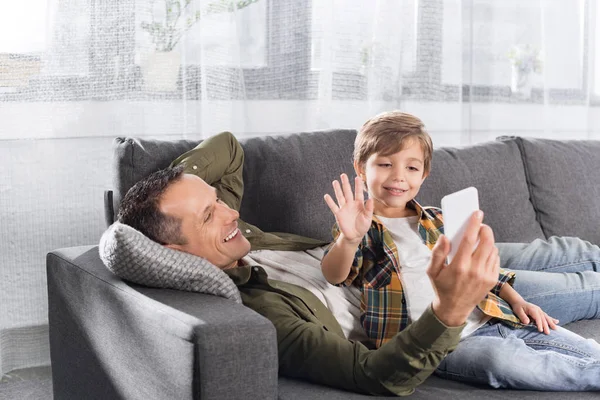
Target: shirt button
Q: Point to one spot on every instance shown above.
(248, 231)
(255, 269)
(194, 167)
(403, 301)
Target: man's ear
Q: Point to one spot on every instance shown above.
(174, 247)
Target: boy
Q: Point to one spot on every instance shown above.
(383, 246)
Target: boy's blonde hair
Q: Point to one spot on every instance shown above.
(387, 133)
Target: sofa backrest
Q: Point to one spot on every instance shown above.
(528, 188)
(564, 185)
(496, 170)
(285, 176)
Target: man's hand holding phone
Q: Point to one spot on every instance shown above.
(472, 273)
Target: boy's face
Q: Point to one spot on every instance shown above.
(394, 180)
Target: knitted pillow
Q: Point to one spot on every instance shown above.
(134, 257)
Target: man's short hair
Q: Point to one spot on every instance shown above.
(140, 207)
(387, 133)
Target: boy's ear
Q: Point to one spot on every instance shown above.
(359, 169)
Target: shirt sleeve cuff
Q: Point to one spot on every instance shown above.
(430, 333)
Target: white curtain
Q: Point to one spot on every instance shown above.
(76, 73)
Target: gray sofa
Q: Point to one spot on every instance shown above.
(114, 340)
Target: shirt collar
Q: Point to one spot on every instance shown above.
(242, 274)
(412, 204)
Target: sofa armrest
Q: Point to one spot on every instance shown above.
(109, 339)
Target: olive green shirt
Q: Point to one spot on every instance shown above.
(311, 344)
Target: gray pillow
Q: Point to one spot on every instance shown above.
(496, 170)
(132, 256)
(564, 184)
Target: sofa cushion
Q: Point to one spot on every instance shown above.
(564, 181)
(132, 256)
(285, 178)
(496, 170)
(135, 159)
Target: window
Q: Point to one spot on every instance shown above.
(349, 36)
(496, 35)
(94, 50)
(438, 50)
(22, 41)
(213, 36)
(22, 27)
(358, 44)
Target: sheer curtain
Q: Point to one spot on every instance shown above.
(75, 74)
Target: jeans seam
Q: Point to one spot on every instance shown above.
(558, 265)
(546, 343)
(554, 293)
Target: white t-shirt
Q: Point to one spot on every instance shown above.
(413, 258)
(303, 268)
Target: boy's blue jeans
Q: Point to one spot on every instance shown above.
(569, 290)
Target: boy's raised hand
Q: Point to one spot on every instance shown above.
(352, 214)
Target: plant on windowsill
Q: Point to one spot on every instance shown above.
(525, 61)
(161, 67)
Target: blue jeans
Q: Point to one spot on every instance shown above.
(562, 276)
(569, 288)
(503, 357)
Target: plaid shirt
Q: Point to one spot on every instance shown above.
(375, 271)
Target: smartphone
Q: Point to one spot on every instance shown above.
(457, 209)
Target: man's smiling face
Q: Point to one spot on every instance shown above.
(208, 225)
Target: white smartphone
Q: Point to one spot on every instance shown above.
(457, 209)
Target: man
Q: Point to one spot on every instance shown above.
(182, 211)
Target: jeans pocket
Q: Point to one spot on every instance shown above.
(491, 328)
